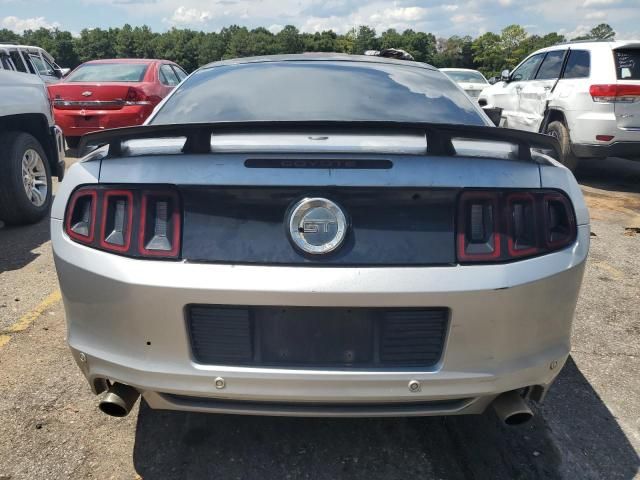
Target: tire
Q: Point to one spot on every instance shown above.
(16, 206)
(559, 130)
(72, 142)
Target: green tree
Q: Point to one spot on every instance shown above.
(511, 38)
(365, 39)
(327, 41)
(602, 32)
(289, 41)
(94, 44)
(211, 48)
(419, 44)
(488, 54)
(125, 42)
(8, 36)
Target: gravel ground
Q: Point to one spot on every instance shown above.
(588, 427)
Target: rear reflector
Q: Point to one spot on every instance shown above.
(604, 138)
(615, 93)
(528, 223)
(154, 217)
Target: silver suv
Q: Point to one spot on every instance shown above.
(586, 94)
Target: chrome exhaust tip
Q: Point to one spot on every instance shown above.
(512, 409)
(119, 400)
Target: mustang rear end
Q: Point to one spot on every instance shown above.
(339, 267)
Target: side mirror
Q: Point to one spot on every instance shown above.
(65, 71)
(492, 81)
(505, 76)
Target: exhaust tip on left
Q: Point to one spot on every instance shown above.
(119, 400)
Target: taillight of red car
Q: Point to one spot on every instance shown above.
(499, 226)
(136, 96)
(135, 222)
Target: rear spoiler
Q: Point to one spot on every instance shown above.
(439, 136)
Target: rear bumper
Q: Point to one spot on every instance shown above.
(76, 123)
(629, 150)
(510, 328)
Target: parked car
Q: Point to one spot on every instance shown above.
(31, 60)
(471, 81)
(113, 93)
(586, 94)
(258, 248)
(31, 148)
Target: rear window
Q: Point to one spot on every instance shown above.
(470, 77)
(108, 72)
(318, 90)
(627, 63)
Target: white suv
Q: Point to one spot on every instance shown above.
(587, 94)
(33, 60)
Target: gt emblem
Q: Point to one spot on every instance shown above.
(87, 93)
(317, 225)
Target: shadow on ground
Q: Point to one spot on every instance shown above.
(18, 242)
(612, 174)
(575, 436)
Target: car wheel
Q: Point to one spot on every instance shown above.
(559, 130)
(72, 142)
(25, 179)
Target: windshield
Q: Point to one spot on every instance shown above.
(108, 72)
(468, 77)
(317, 90)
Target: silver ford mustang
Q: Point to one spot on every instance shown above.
(320, 235)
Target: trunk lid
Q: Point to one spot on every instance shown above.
(627, 64)
(103, 96)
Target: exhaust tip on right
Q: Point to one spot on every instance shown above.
(511, 409)
(519, 418)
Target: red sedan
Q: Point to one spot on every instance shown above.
(113, 93)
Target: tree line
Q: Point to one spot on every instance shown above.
(490, 53)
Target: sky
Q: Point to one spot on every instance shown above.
(442, 18)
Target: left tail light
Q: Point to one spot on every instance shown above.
(136, 222)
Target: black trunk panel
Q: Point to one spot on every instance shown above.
(388, 226)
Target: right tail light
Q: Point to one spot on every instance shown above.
(497, 226)
(128, 221)
(615, 93)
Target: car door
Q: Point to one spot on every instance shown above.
(510, 102)
(168, 78)
(44, 68)
(534, 94)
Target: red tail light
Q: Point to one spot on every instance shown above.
(498, 226)
(118, 215)
(615, 93)
(136, 96)
(80, 222)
